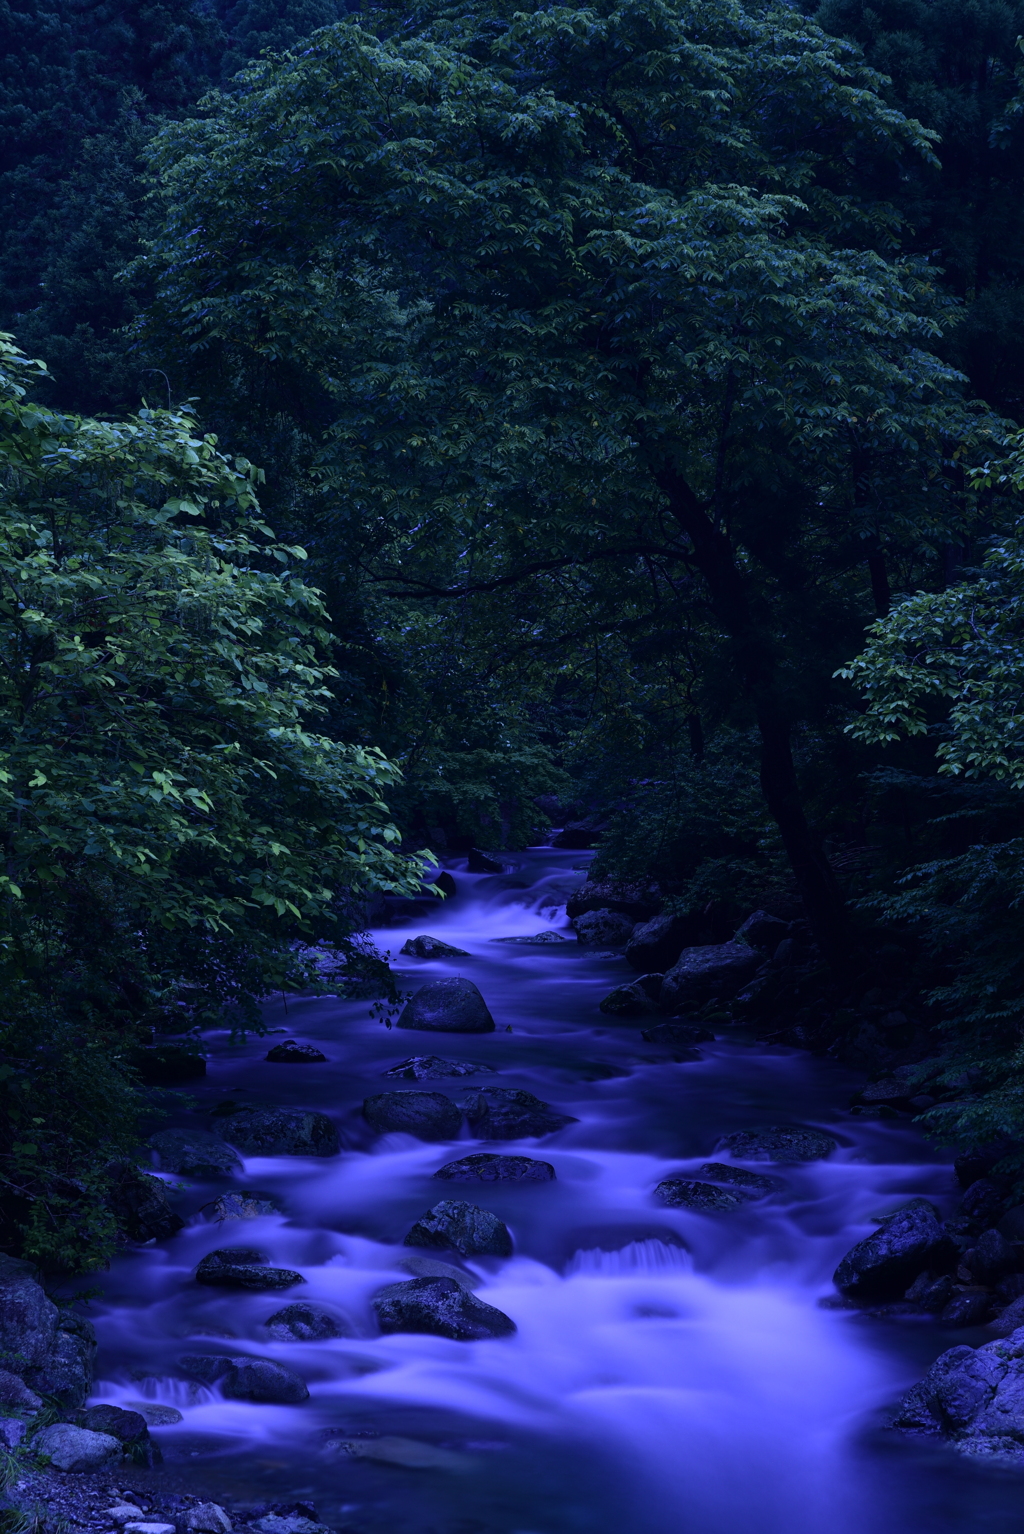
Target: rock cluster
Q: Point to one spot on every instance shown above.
(49, 1351)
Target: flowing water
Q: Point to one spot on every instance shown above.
(671, 1371)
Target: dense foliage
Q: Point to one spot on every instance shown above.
(171, 824)
(618, 367)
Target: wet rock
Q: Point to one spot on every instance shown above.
(547, 936)
(968, 1307)
(973, 1398)
(1009, 1289)
(763, 932)
(884, 1264)
(207, 1518)
(480, 862)
(306, 1323)
(290, 1053)
(288, 1523)
(243, 1206)
(427, 1115)
(931, 1292)
(991, 1258)
(603, 929)
(207, 1367)
(447, 1006)
(442, 1308)
(682, 1034)
(194, 1153)
(410, 1452)
(703, 1197)
(983, 1202)
(1010, 1319)
(434, 1068)
(486, 1167)
(446, 884)
(15, 1394)
(66, 1371)
(264, 1131)
(156, 1414)
(506, 1113)
(76, 1449)
(777, 1143)
(639, 901)
(462, 1227)
(429, 1267)
(756, 1184)
(628, 1001)
(128, 1427)
(426, 947)
(28, 1319)
(657, 944)
(243, 1267)
(710, 972)
(260, 1379)
(140, 1205)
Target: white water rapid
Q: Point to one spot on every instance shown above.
(670, 1371)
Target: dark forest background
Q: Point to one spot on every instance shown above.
(616, 370)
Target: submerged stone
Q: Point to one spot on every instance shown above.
(194, 1153)
(703, 1197)
(243, 1267)
(774, 1143)
(427, 1115)
(506, 1113)
(434, 1068)
(754, 1183)
(290, 1053)
(264, 1131)
(306, 1323)
(486, 1167)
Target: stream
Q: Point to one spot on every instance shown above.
(670, 1370)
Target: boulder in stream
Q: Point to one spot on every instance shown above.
(703, 1197)
(290, 1053)
(462, 1227)
(657, 944)
(756, 1184)
(306, 1323)
(243, 1267)
(71, 1448)
(506, 1113)
(453, 1005)
(435, 1068)
(139, 1203)
(713, 971)
(260, 1130)
(427, 1115)
(440, 1307)
(603, 929)
(261, 1379)
(487, 1167)
(884, 1264)
(628, 1001)
(249, 1205)
(777, 1143)
(974, 1399)
(427, 947)
(545, 938)
(194, 1153)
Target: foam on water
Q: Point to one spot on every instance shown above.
(669, 1369)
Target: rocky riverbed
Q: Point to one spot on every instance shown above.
(592, 1235)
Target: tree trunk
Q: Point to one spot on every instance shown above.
(753, 653)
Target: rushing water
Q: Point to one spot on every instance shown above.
(671, 1371)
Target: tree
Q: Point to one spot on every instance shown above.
(586, 298)
(169, 819)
